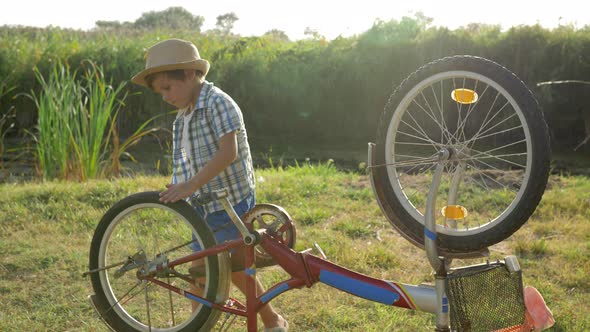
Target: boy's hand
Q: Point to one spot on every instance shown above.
(175, 192)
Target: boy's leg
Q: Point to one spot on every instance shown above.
(270, 318)
(225, 230)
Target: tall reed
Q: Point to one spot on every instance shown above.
(90, 130)
(77, 137)
(58, 104)
(6, 117)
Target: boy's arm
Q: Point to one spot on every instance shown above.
(227, 153)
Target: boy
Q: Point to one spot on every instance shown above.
(210, 144)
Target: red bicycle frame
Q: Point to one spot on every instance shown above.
(305, 269)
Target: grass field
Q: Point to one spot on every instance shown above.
(46, 228)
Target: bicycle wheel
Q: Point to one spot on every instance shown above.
(493, 128)
(137, 233)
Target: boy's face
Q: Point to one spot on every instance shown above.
(178, 93)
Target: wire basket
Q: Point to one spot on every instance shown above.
(485, 297)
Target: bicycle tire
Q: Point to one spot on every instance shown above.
(423, 95)
(142, 213)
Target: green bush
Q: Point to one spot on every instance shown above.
(311, 90)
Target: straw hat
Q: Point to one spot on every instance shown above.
(171, 54)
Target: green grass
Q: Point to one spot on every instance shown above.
(46, 228)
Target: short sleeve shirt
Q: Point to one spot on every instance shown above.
(215, 115)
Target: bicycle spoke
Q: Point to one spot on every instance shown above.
(412, 157)
(433, 117)
(501, 159)
(147, 305)
(156, 245)
(479, 133)
(491, 178)
(440, 109)
(499, 132)
(487, 189)
(412, 143)
(119, 301)
(485, 119)
(421, 131)
(496, 125)
(416, 137)
(415, 189)
(171, 303)
(498, 157)
(471, 108)
(432, 164)
(176, 248)
(449, 135)
(459, 108)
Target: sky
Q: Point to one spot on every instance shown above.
(330, 18)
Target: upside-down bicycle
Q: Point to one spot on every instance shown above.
(461, 135)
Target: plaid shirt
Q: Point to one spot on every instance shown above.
(216, 114)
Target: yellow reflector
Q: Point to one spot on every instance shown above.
(464, 96)
(454, 212)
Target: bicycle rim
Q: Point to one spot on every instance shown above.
(488, 135)
(153, 229)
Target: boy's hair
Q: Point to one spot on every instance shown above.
(176, 74)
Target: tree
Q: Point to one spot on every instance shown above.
(112, 24)
(314, 34)
(173, 17)
(107, 24)
(423, 20)
(277, 35)
(225, 23)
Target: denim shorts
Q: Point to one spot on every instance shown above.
(220, 222)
